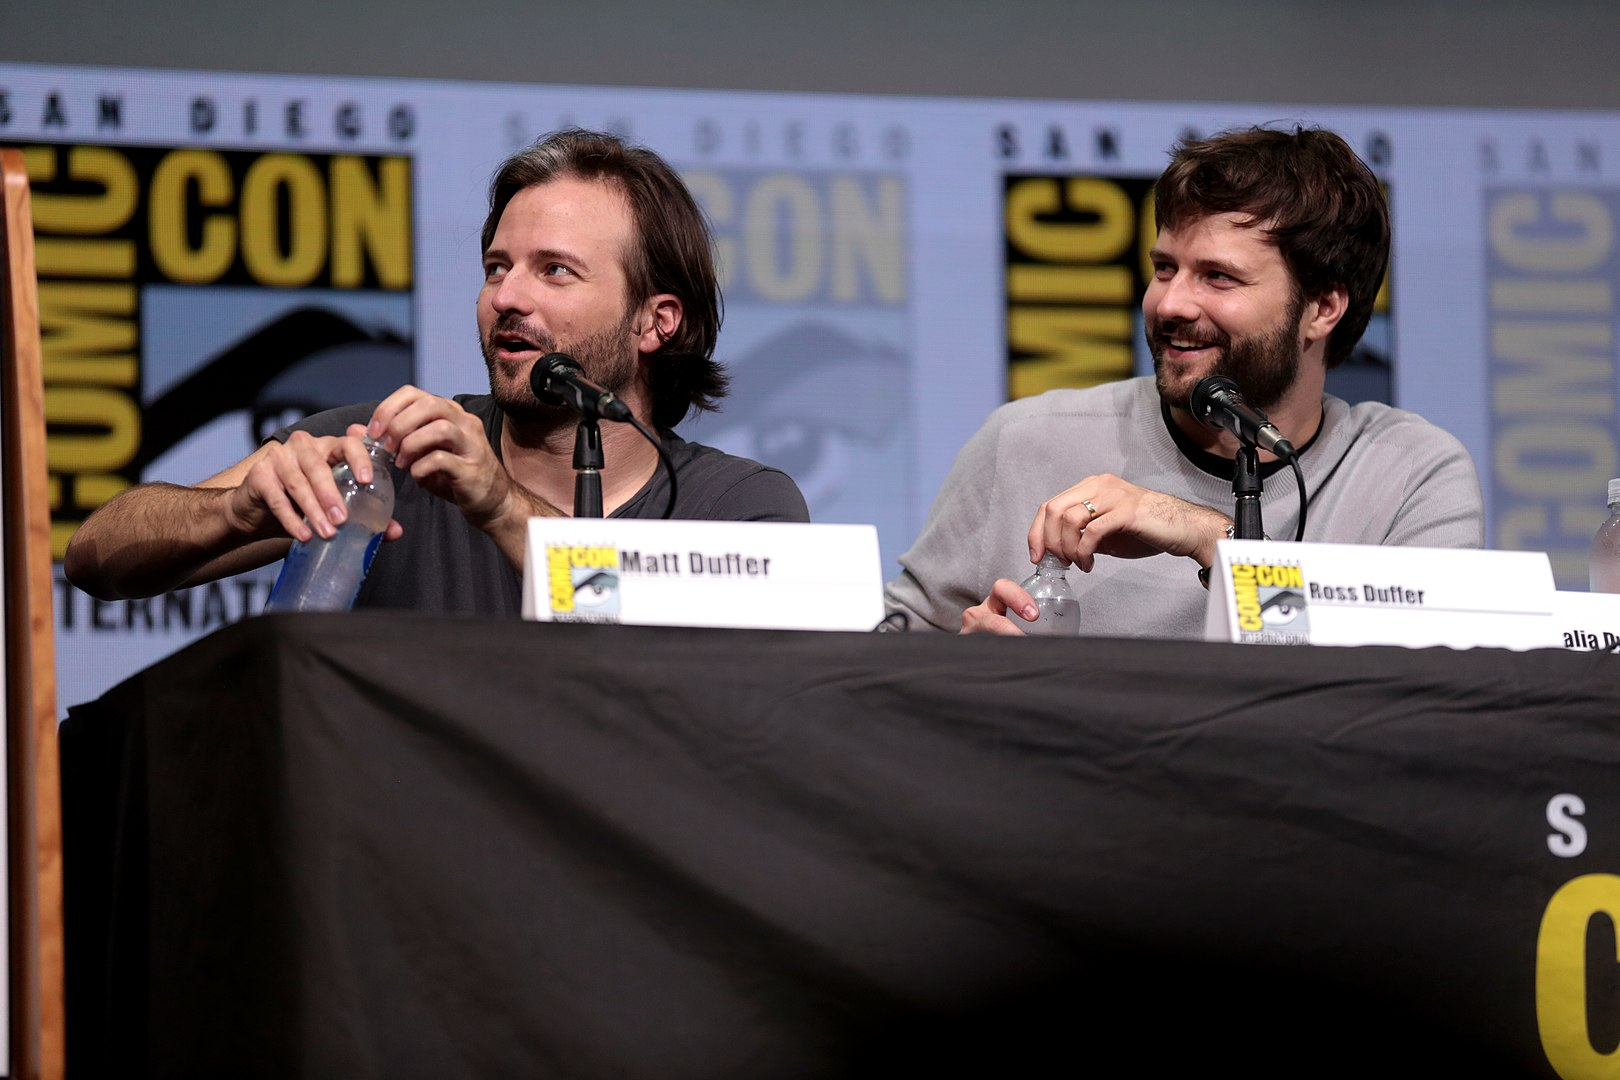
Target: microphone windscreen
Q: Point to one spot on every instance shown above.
(1207, 395)
(547, 366)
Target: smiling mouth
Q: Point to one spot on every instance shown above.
(1184, 346)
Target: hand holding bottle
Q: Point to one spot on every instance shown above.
(1048, 586)
(324, 574)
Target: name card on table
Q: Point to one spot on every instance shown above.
(1588, 622)
(747, 575)
(1350, 594)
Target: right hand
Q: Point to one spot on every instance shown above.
(1105, 515)
(289, 487)
(999, 612)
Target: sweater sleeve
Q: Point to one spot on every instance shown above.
(942, 573)
(1441, 505)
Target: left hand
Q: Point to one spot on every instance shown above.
(1129, 522)
(445, 450)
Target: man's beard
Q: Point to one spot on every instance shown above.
(1264, 365)
(608, 358)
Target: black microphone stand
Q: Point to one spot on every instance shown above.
(557, 379)
(1246, 490)
(588, 462)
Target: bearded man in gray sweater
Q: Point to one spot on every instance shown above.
(1271, 249)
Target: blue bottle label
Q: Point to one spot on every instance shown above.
(371, 553)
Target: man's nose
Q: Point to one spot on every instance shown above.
(1174, 300)
(511, 294)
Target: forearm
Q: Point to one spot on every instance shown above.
(156, 537)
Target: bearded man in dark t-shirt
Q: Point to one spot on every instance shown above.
(592, 248)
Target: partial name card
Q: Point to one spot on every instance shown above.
(1350, 594)
(746, 575)
(1588, 622)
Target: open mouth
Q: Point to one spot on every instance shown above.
(1179, 343)
(1185, 346)
(514, 347)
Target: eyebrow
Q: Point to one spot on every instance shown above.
(540, 255)
(1221, 265)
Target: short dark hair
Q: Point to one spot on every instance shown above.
(1316, 200)
(673, 253)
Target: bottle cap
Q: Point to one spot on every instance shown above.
(1614, 491)
(378, 450)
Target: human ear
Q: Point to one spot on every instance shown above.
(1323, 313)
(658, 320)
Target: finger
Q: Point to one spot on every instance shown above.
(352, 450)
(1007, 595)
(977, 620)
(476, 483)
(382, 417)
(425, 423)
(1037, 534)
(273, 498)
(1080, 531)
(306, 475)
(438, 468)
(430, 433)
(1046, 534)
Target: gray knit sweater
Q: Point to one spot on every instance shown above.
(1373, 475)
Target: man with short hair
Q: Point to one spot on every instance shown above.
(1271, 249)
(591, 247)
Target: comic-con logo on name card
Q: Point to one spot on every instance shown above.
(583, 582)
(1270, 604)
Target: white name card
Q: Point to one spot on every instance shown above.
(748, 574)
(1350, 594)
(1588, 622)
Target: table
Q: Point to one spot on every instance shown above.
(392, 845)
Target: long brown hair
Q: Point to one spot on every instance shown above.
(673, 253)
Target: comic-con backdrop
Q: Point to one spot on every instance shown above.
(219, 254)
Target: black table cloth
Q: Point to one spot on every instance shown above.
(386, 845)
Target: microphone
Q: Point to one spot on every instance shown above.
(1217, 402)
(557, 379)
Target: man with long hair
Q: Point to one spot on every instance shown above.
(592, 248)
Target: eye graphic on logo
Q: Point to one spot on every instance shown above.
(1283, 608)
(821, 410)
(598, 589)
(303, 360)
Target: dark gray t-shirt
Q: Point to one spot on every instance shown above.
(444, 565)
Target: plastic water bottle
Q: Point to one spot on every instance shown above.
(325, 575)
(1048, 586)
(1605, 564)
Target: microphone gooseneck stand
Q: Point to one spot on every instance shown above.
(1247, 488)
(1217, 402)
(558, 379)
(588, 462)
